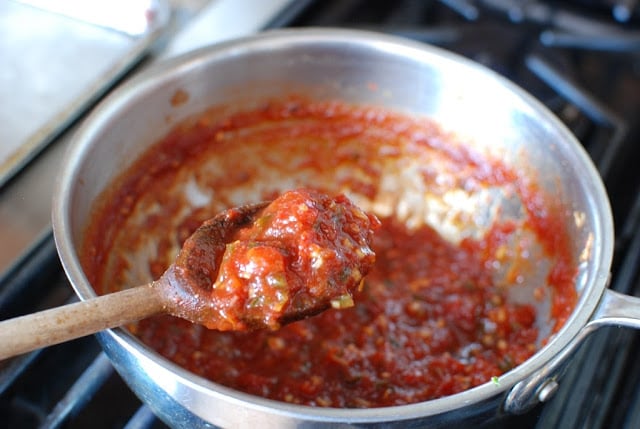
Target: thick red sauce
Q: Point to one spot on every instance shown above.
(264, 265)
(431, 319)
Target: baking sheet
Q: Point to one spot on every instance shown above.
(59, 56)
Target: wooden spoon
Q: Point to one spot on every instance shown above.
(212, 282)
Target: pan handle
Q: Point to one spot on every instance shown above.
(614, 309)
(617, 309)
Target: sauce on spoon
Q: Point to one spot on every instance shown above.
(265, 265)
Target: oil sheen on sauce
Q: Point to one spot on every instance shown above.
(433, 317)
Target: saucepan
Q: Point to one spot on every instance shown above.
(488, 112)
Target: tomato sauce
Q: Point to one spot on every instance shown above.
(436, 314)
(264, 265)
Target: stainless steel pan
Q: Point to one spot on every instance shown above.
(499, 118)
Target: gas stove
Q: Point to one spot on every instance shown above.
(580, 58)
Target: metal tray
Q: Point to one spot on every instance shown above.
(60, 56)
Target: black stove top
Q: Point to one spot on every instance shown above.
(580, 58)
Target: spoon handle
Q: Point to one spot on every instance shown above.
(45, 328)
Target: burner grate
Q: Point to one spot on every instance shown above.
(64, 386)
